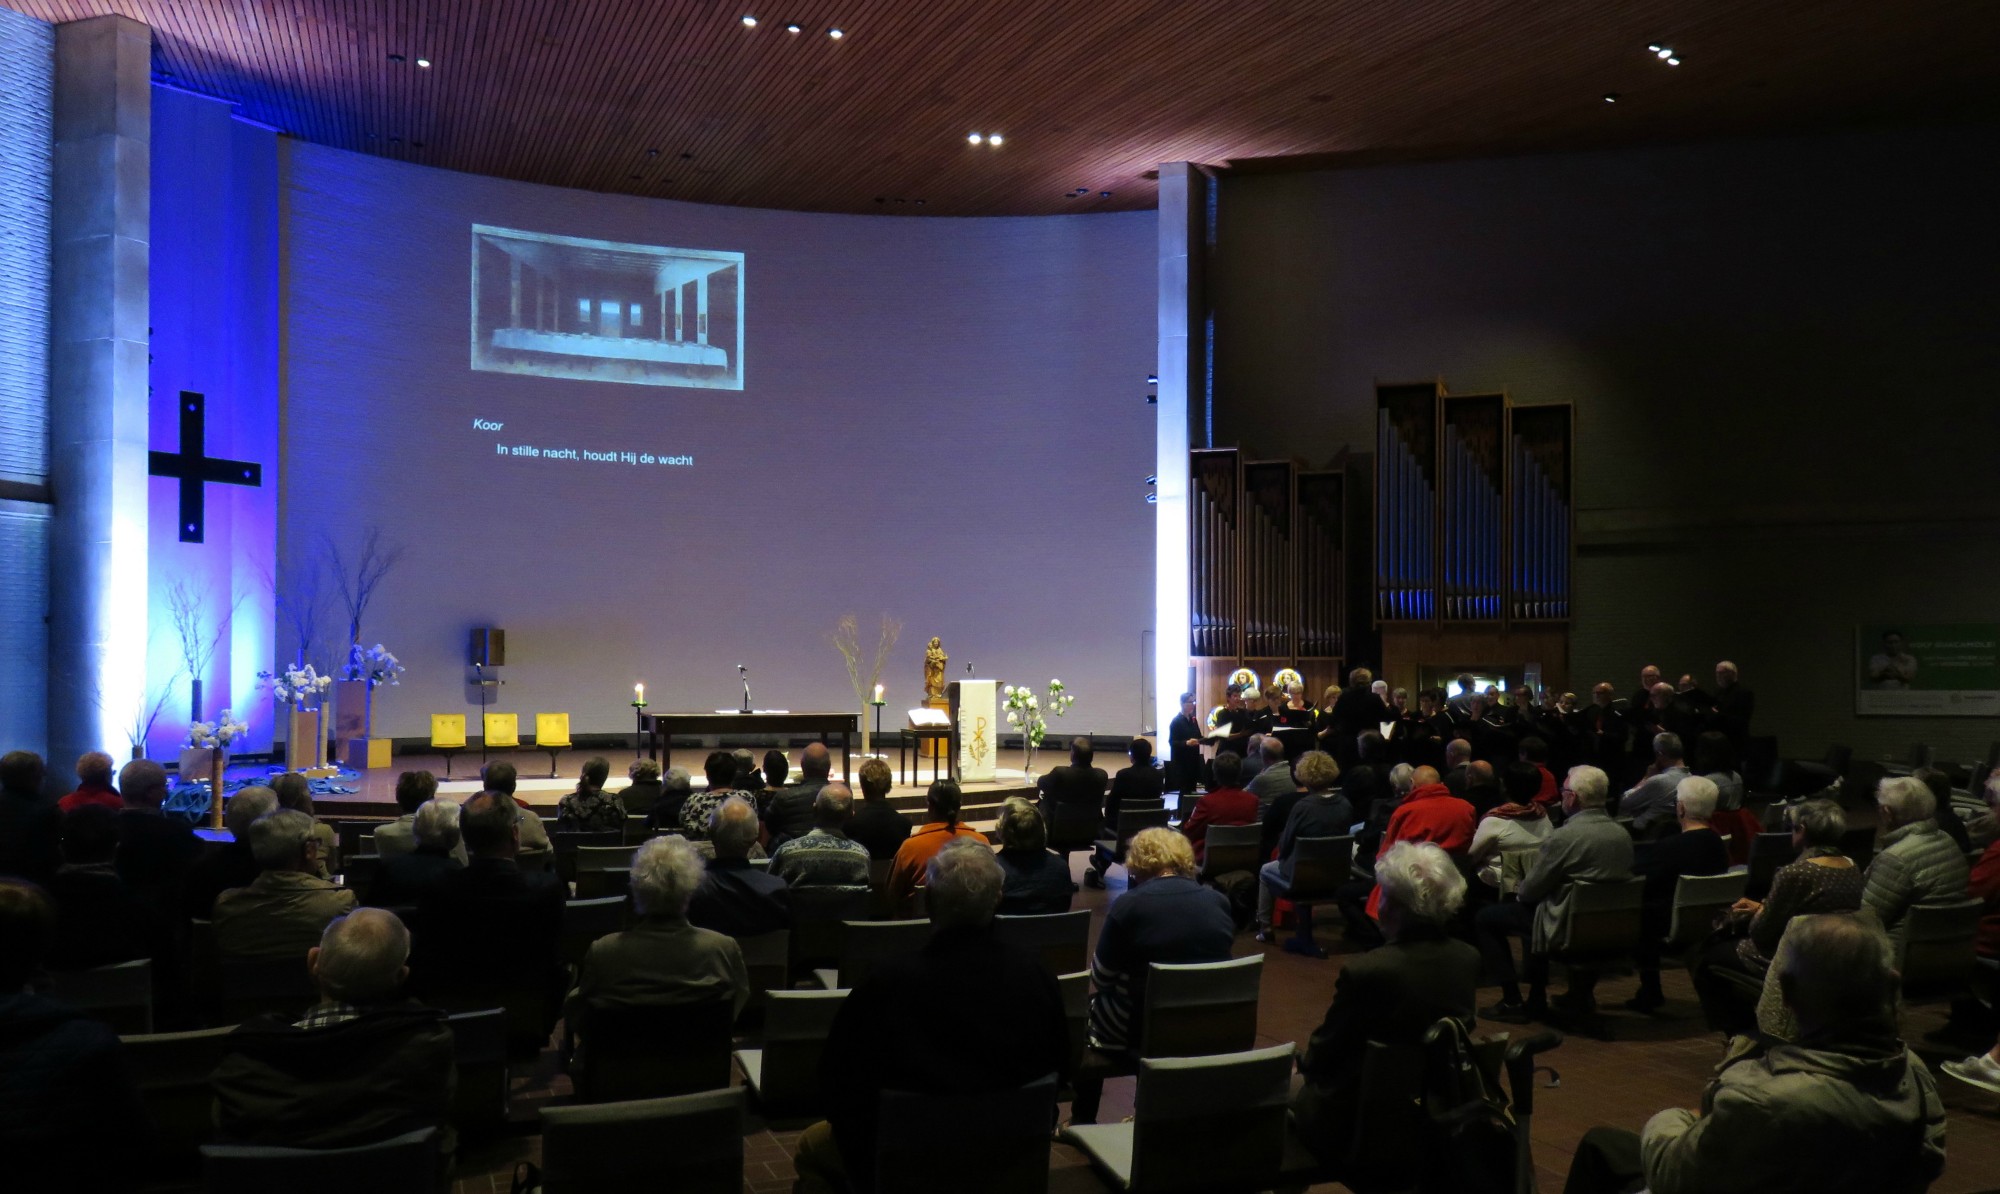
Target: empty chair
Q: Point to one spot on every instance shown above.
(1198, 1123)
(636, 833)
(1319, 868)
(1074, 827)
(784, 1074)
(870, 941)
(1934, 950)
(406, 1162)
(584, 921)
(501, 731)
(1200, 1008)
(479, 1046)
(552, 736)
(692, 1144)
(602, 871)
(1698, 900)
(447, 736)
(1130, 822)
(649, 1051)
(819, 924)
(1604, 924)
(767, 959)
(565, 844)
(121, 995)
(1228, 848)
(171, 1070)
(921, 1136)
(1061, 939)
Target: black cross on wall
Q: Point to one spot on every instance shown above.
(195, 468)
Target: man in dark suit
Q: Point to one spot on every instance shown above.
(734, 897)
(1078, 783)
(155, 853)
(492, 926)
(1392, 995)
(1184, 748)
(876, 824)
(407, 879)
(1734, 705)
(790, 812)
(985, 982)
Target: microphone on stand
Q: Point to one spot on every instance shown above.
(744, 672)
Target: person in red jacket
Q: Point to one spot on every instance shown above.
(93, 785)
(1228, 803)
(1430, 813)
(1536, 751)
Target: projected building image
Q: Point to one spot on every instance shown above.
(564, 306)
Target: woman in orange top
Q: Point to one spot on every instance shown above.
(906, 874)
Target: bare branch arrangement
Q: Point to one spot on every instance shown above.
(187, 610)
(298, 590)
(359, 575)
(846, 639)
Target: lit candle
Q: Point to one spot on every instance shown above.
(639, 693)
(878, 694)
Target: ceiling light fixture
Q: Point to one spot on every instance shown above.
(396, 58)
(835, 34)
(1673, 62)
(424, 62)
(1610, 97)
(994, 139)
(794, 27)
(749, 22)
(975, 138)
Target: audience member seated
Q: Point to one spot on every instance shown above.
(1915, 862)
(224, 865)
(749, 778)
(1482, 788)
(155, 852)
(734, 897)
(1535, 752)
(661, 959)
(1366, 784)
(876, 824)
(286, 908)
(1037, 881)
(1590, 847)
(675, 788)
(1845, 1107)
(591, 809)
(1522, 823)
(99, 920)
(363, 1065)
(70, 1116)
(1164, 917)
(1430, 813)
(414, 789)
(941, 804)
(500, 776)
(1392, 995)
(1650, 804)
(1143, 782)
(698, 810)
(1715, 761)
(1457, 773)
(491, 926)
(295, 793)
(776, 769)
(1947, 817)
(1403, 779)
(406, 880)
(1696, 850)
(963, 972)
(1227, 803)
(93, 784)
(1822, 879)
(30, 822)
(1079, 783)
(825, 856)
(1274, 777)
(1320, 812)
(791, 809)
(645, 788)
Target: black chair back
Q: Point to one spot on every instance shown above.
(565, 846)
(691, 1144)
(407, 1162)
(253, 986)
(920, 1136)
(479, 1045)
(652, 1051)
(1074, 827)
(171, 1070)
(1061, 940)
(1768, 852)
(359, 873)
(819, 916)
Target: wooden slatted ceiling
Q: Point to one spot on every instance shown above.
(1090, 95)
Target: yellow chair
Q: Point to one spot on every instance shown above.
(552, 735)
(447, 736)
(503, 732)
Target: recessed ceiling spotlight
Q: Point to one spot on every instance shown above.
(835, 34)
(1104, 194)
(975, 138)
(749, 22)
(1654, 47)
(396, 58)
(1610, 97)
(994, 139)
(794, 27)
(1673, 62)
(424, 62)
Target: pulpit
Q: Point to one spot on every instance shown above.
(974, 719)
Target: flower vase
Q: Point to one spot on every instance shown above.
(865, 738)
(302, 728)
(1028, 744)
(216, 758)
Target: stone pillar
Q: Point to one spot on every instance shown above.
(1183, 394)
(701, 309)
(98, 377)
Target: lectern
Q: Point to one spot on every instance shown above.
(976, 732)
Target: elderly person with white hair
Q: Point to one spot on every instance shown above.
(964, 972)
(287, 907)
(363, 1065)
(1843, 1106)
(1697, 849)
(662, 959)
(1650, 803)
(1915, 861)
(228, 864)
(675, 788)
(1392, 994)
(407, 878)
(734, 897)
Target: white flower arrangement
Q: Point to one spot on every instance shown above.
(373, 664)
(296, 685)
(211, 735)
(1025, 711)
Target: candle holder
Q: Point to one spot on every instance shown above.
(638, 728)
(878, 717)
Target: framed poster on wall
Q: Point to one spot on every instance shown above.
(1927, 669)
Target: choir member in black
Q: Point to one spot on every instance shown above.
(1490, 733)
(1323, 723)
(1357, 711)
(1184, 748)
(1272, 715)
(1649, 677)
(1238, 719)
(1462, 703)
(1292, 721)
(1733, 705)
(1420, 734)
(1604, 734)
